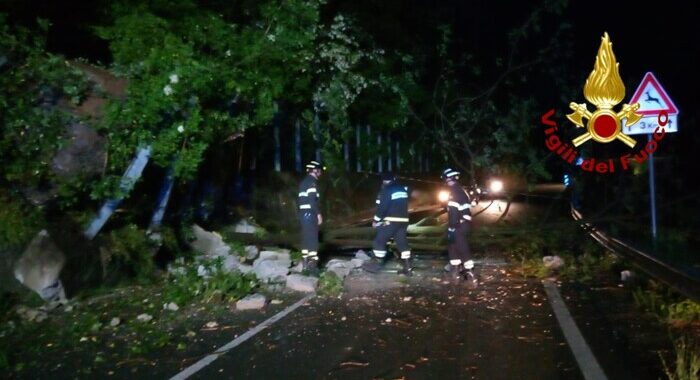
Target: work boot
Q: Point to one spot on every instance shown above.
(310, 266)
(455, 272)
(407, 268)
(470, 278)
(373, 265)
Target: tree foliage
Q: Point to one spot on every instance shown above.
(483, 116)
(33, 119)
(198, 77)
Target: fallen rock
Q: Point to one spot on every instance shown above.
(39, 267)
(211, 325)
(115, 322)
(271, 270)
(297, 268)
(231, 263)
(275, 255)
(553, 262)
(210, 244)
(251, 302)
(302, 283)
(277, 249)
(335, 262)
(251, 252)
(31, 315)
(356, 263)
(283, 259)
(172, 306)
(144, 317)
(362, 255)
(626, 275)
(340, 268)
(83, 154)
(243, 268)
(246, 226)
(176, 270)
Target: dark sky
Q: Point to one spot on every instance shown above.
(662, 39)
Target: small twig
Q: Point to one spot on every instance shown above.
(131, 361)
(354, 364)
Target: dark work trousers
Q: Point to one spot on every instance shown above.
(459, 249)
(395, 230)
(309, 234)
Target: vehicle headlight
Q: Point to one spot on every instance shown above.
(443, 196)
(496, 186)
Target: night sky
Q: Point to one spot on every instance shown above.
(663, 40)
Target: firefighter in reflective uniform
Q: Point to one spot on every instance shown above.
(310, 215)
(391, 222)
(459, 224)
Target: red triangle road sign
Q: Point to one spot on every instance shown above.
(652, 98)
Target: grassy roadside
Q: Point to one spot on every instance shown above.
(585, 262)
(101, 330)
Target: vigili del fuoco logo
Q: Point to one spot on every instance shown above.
(604, 89)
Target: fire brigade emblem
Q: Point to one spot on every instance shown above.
(604, 89)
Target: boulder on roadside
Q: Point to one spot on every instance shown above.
(275, 255)
(31, 314)
(172, 306)
(297, 268)
(626, 276)
(231, 264)
(251, 302)
(553, 262)
(340, 268)
(39, 268)
(246, 226)
(362, 255)
(210, 244)
(281, 258)
(243, 268)
(302, 283)
(251, 252)
(271, 270)
(82, 155)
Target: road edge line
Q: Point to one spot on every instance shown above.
(587, 362)
(196, 367)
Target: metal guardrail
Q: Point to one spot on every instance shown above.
(675, 278)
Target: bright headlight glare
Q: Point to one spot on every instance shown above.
(443, 196)
(496, 185)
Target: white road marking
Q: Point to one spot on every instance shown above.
(582, 353)
(194, 368)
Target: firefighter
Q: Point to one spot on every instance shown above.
(310, 215)
(390, 222)
(459, 224)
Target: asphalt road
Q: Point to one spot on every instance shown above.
(388, 327)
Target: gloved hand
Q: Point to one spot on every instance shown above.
(450, 235)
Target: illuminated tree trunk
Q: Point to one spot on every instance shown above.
(297, 146)
(358, 155)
